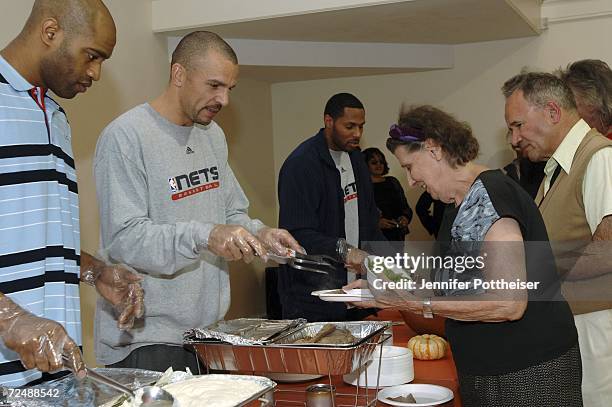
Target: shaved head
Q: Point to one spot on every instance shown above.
(74, 17)
(63, 44)
(194, 47)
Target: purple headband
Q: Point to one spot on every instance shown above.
(410, 135)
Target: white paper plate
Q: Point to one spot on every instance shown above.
(424, 394)
(354, 295)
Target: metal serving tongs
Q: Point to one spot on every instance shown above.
(321, 264)
(152, 396)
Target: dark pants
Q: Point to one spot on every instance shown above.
(159, 358)
(552, 383)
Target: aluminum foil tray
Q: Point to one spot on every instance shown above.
(69, 392)
(244, 331)
(86, 394)
(284, 357)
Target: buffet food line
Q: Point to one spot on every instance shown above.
(265, 363)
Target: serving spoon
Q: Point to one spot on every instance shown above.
(152, 396)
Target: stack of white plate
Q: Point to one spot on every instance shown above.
(395, 368)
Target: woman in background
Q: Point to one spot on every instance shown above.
(396, 214)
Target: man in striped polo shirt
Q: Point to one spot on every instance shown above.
(61, 48)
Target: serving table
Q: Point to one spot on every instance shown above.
(441, 372)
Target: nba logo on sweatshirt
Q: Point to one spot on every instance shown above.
(173, 185)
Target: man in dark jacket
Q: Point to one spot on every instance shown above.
(327, 204)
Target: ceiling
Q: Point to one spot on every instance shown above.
(399, 22)
(415, 21)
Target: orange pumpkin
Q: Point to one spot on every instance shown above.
(427, 347)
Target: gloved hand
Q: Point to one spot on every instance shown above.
(233, 242)
(354, 260)
(121, 288)
(39, 342)
(278, 240)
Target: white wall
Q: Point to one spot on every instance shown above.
(247, 122)
(471, 91)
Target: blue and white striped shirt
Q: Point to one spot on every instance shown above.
(39, 213)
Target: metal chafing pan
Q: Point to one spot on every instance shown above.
(282, 356)
(244, 331)
(70, 392)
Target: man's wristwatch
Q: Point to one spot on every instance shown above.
(89, 277)
(427, 311)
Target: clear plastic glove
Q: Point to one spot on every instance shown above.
(39, 342)
(363, 284)
(233, 242)
(278, 240)
(121, 288)
(354, 260)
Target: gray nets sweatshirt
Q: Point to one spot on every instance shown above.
(161, 188)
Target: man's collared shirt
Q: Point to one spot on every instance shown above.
(39, 213)
(597, 183)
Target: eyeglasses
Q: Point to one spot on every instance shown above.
(406, 134)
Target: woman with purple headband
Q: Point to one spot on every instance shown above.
(514, 344)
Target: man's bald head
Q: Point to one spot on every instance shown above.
(194, 46)
(74, 17)
(63, 44)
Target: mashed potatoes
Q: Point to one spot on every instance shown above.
(201, 391)
(210, 391)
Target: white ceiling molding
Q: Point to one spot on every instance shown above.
(530, 11)
(407, 21)
(281, 61)
(335, 54)
(286, 40)
(558, 11)
(172, 15)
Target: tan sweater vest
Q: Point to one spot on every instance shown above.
(563, 211)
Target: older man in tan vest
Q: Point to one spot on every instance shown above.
(575, 200)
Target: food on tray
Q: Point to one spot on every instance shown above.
(340, 292)
(205, 391)
(340, 336)
(329, 334)
(201, 391)
(427, 347)
(390, 275)
(409, 398)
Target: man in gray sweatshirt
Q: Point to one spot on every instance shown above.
(171, 207)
